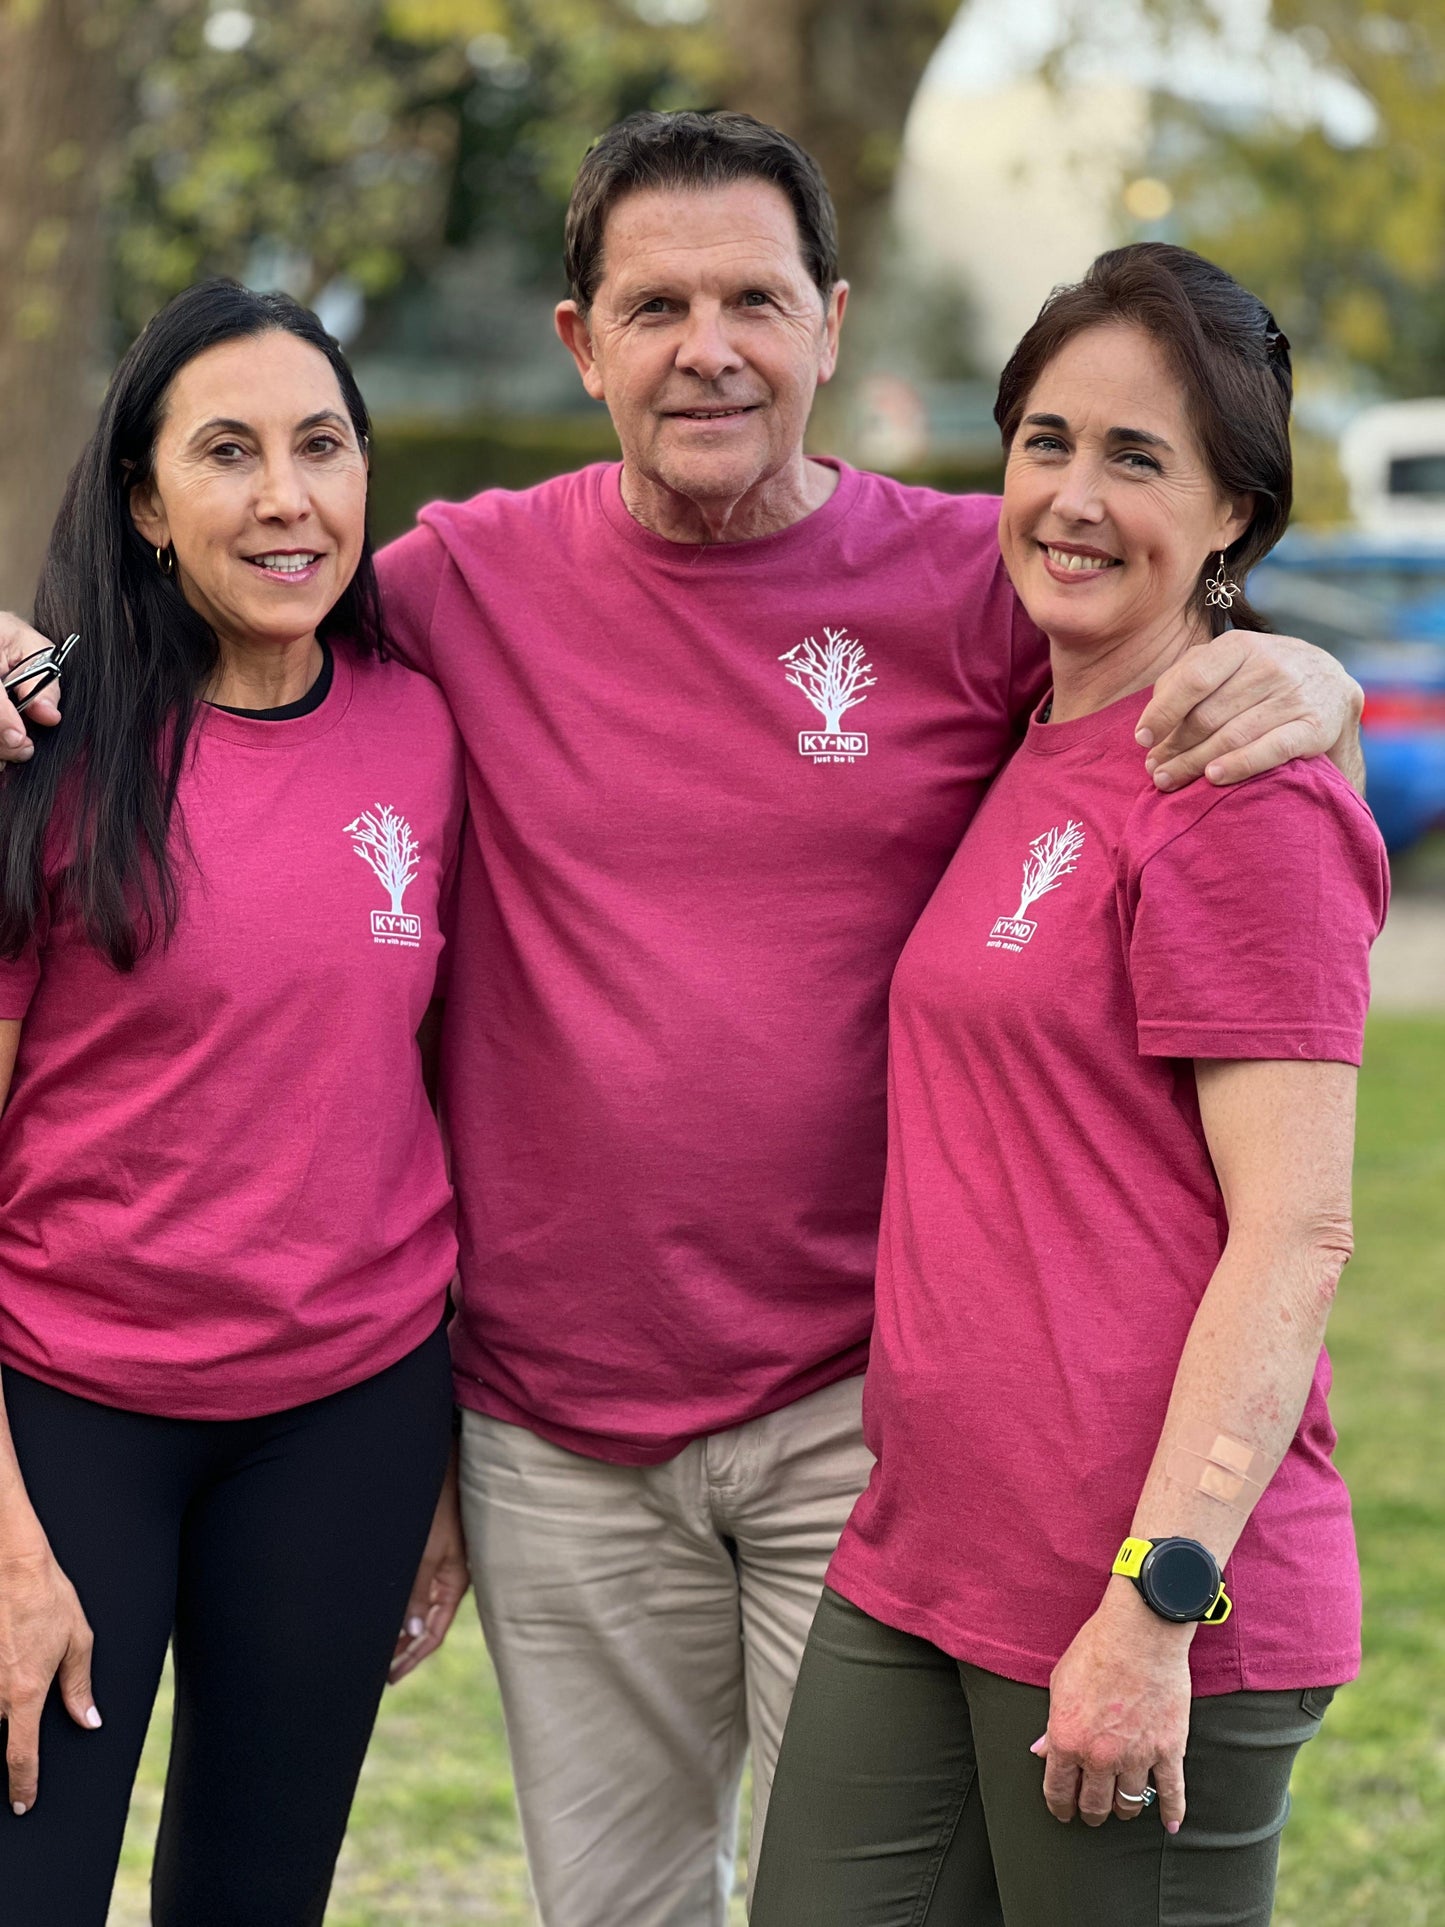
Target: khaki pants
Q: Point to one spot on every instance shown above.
(646, 1624)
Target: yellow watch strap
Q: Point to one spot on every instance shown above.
(1129, 1562)
(1131, 1556)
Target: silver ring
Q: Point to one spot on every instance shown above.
(1144, 1799)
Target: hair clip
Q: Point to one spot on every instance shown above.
(1276, 341)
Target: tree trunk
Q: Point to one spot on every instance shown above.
(58, 96)
(839, 76)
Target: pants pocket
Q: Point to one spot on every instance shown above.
(1314, 1700)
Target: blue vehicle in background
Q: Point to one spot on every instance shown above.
(1376, 597)
(1378, 603)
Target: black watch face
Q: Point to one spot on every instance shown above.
(1180, 1579)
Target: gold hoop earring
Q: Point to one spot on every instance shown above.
(166, 561)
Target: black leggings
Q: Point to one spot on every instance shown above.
(278, 1553)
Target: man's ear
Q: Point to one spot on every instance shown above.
(148, 515)
(576, 338)
(832, 324)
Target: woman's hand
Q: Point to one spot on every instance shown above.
(43, 1635)
(1118, 1713)
(441, 1583)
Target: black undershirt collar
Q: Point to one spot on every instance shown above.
(288, 712)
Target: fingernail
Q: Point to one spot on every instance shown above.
(1171, 1826)
(92, 1717)
(1163, 780)
(14, 737)
(18, 1807)
(1039, 1744)
(1144, 737)
(415, 1627)
(1214, 771)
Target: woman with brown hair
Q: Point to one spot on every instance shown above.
(1104, 1563)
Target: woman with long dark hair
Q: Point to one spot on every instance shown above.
(1104, 1573)
(226, 1231)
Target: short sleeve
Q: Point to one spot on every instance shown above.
(409, 572)
(1248, 931)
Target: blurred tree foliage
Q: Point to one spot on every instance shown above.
(1345, 242)
(353, 137)
(311, 140)
(59, 114)
(342, 145)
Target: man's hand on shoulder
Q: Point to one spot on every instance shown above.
(17, 641)
(1244, 703)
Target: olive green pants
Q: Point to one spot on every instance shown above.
(906, 1796)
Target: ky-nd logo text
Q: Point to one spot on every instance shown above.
(383, 840)
(834, 677)
(1051, 858)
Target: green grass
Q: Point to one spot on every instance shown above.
(1366, 1846)
(434, 1841)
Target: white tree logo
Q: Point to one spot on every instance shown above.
(834, 676)
(1052, 857)
(383, 840)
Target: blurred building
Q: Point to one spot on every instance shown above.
(1015, 190)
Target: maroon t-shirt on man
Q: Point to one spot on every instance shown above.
(711, 789)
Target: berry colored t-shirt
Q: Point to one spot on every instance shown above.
(710, 790)
(222, 1191)
(1052, 1216)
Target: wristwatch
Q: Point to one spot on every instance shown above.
(1179, 1579)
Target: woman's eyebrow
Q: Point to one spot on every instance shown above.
(1117, 436)
(1138, 435)
(233, 427)
(220, 421)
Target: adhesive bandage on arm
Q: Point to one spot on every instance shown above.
(1228, 1470)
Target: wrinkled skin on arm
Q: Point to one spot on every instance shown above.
(1282, 1139)
(1247, 702)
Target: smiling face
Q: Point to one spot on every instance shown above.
(1109, 512)
(259, 483)
(707, 338)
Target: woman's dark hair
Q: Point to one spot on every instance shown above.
(106, 778)
(1231, 359)
(689, 149)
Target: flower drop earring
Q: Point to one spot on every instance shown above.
(1219, 591)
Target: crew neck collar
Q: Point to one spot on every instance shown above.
(268, 732)
(691, 556)
(1116, 721)
(303, 705)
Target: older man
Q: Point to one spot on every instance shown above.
(728, 711)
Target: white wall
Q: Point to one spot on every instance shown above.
(1016, 190)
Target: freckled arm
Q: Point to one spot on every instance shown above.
(1282, 1139)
